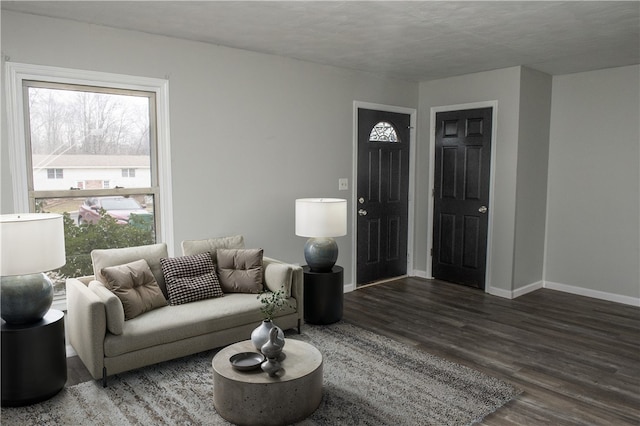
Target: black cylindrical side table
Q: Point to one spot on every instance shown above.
(323, 295)
(34, 360)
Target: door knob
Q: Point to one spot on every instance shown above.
(482, 209)
(361, 200)
(362, 212)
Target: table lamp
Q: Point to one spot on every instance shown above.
(321, 219)
(31, 244)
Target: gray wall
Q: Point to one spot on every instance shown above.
(501, 85)
(250, 133)
(531, 187)
(567, 180)
(593, 225)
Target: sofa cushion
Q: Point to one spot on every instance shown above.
(113, 306)
(135, 286)
(190, 278)
(278, 276)
(240, 270)
(104, 258)
(191, 247)
(176, 323)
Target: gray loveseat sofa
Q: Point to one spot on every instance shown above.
(107, 344)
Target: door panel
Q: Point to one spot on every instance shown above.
(383, 194)
(461, 196)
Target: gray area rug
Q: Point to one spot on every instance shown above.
(368, 380)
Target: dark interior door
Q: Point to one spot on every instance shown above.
(461, 196)
(383, 194)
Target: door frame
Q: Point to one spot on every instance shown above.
(412, 112)
(432, 154)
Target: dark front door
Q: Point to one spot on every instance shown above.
(383, 194)
(461, 194)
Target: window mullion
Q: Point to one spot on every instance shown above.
(73, 193)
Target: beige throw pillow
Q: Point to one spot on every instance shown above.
(135, 286)
(240, 270)
(102, 258)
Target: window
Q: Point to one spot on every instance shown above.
(109, 134)
(383, 132)
(54, 174)
(128, 173)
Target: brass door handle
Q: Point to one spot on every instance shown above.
(362, 212)
(482, 209)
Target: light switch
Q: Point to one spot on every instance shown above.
(343, 184)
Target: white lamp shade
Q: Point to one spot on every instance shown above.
(321, 217)
(31, 243)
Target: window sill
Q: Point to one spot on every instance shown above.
(60, 304)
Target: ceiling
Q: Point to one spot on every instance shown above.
(414, 40)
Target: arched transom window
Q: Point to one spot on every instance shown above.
(383, 132)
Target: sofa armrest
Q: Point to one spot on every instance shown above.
(113, 307)
(86, 325)
(297, 287)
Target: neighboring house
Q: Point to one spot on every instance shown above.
(91, 171)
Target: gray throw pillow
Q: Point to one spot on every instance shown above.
(190, 278)
(135, 286)
(240, 270)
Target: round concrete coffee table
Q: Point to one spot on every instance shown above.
(254, 398)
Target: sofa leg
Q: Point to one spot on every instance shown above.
(104, 377)
(299, 324)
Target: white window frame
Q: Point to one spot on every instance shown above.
(16, 73)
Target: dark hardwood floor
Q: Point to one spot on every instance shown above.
(576, 359)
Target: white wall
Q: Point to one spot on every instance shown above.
(593, 223)
(250, 133)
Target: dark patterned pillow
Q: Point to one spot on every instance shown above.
(190, 278)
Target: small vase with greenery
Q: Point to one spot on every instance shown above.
(272, 302)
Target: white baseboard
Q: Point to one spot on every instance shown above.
(527, 289)
(521, 291)
(420, 274)
(596, 294)
(512, 294)
(70, 351)
(495, 291)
